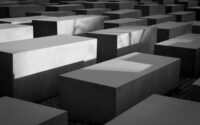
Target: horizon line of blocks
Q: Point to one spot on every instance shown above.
(110, 61)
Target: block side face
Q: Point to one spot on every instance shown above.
(7, 75)
(41, 85)
(87, 102)
(106, 46)
(34, 61)
(14, 34)
(40, 28)
(187, 57)
(163, 34)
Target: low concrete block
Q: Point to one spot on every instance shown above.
(98, 93)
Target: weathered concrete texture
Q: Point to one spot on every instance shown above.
(98, 93)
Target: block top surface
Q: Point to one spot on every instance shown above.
(194, 7)
(174, 5)
(160, 110)
(22, 19)
(157, 16)
(123, 20)
(122, 11)
(19, 112)
(40, 43)
(92, 9)
(117, 72)
(172, 25)
(190, 41)
(182, 12)
(73, 17)
(8, 26)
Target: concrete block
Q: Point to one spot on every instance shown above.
(96, 4)
(170, 8)
(170, 30)
(124, 40)
(70, 25)
(151, 9)
(186, 47)
(12, 32)
(124, 13)
(21, 20)
(124, 22)
(121, 5)
(64, 7)
(195, 9)
(165, 1)
(18, 10)
(30, 68)
(157, 110)
(196, 27)
(91, 11)
(50, 13)
(156, 19)
(98, 93)
(19, 112)
(187, 3)
(184, 16)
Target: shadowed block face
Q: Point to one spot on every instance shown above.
(11, 32)
(42, 54)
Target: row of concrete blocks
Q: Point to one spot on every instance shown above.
(10, 10)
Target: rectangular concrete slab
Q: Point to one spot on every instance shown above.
(30, 68)
(98, 93)
(123, 13)
(18, 10)
(70, 25)
(19, 112)
(151, 9)
(195, 9)
(184, 16)
(124, 40)
(169, 30)
(64, 7)
(196, 27)
(156, 19)
(157, 110)
(124, 22)
(186, 47)
(118, 5)
(174, 8)
(13, 32)
(91, 11)
(50, 13)
(21, 20)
